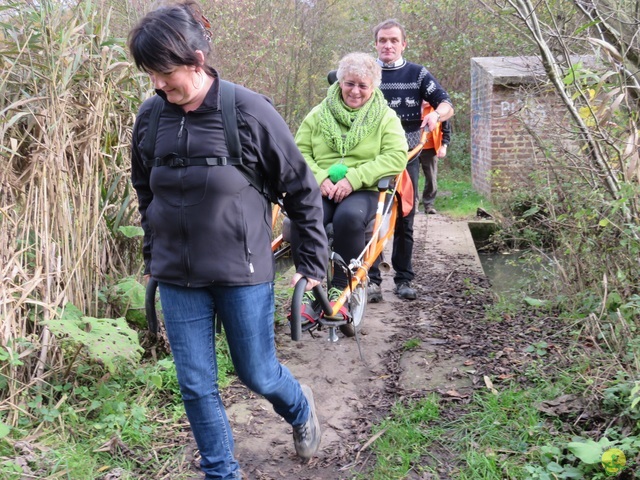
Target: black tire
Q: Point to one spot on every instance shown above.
(357, 309)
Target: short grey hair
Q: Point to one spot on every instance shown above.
(361, 65)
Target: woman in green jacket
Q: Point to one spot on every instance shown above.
(351, 140)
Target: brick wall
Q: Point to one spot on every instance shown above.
(509, 107)
(481, 99)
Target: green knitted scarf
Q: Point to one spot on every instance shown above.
(360, 122)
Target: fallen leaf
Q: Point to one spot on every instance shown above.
(489, 385)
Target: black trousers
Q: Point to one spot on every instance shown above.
(351, 220)
(429, 162)
(402, 238)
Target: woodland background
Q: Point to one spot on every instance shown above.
(70, 264)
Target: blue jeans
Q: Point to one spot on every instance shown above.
(246, 312)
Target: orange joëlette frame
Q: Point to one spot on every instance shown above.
(379, 239)
(278, 240)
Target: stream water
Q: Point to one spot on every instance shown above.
(506, 271)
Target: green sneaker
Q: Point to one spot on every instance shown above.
(333, 294)
(310, 312)
(308, 298)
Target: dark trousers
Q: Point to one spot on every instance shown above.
(429, 162)
(402, 238)
(351, 221)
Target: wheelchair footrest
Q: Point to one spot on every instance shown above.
(335, 321)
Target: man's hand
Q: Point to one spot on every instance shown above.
(443, 112)
(430, 121)
(442, 151)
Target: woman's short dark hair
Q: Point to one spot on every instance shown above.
(169, 36)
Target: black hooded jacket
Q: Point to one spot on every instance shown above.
(206, 225)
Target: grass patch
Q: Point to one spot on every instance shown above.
(493, 437)
(499, 436)
(405, 437)
(412, 343)
(456, 197)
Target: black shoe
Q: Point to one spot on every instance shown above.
(430, 210)
(374, 293)
(404, 290)
(306, 437)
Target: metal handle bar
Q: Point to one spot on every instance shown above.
(296, 306)
(418, 148)
(150, 307)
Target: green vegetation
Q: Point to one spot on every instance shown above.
(412, 343)
(457, 198)
(406, 436)
(73, 406)
(107, 414)
(500, 434)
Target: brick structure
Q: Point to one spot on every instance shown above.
(509, 106)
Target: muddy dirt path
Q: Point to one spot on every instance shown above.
(458, 347)
(353, 392)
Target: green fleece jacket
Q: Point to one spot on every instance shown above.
(381, 154)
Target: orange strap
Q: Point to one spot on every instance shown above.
(434, 138)
(405, 191)
(405, 186)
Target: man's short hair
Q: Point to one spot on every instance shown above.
(389, 23)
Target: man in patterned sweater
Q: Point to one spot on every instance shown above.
(405, 85)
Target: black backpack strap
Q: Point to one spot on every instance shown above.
(232, 137)
(229, 118)
(152, 130)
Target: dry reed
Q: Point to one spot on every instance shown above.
(67, 97)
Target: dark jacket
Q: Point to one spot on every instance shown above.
(446, 132)
(405, 86)
(207, 225)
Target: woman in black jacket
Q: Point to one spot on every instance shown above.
(208, 230)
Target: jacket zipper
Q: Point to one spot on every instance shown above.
(185, 252)
(181, 127)
(246, 242)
